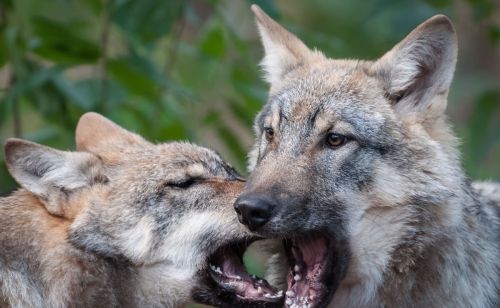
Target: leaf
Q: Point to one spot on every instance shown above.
(136, 76)
(146, 21)
(494, 34)
(485, 112)
(96, 6)
(91, 89)
(33, 81)
(7, 183)
(72, 93)
(5, 110)
(6, 4)
(483, 8)
(3, 50)
(213, 42)
(59, 43)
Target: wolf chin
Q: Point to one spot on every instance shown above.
(356, 175)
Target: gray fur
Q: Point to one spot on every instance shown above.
(420, 234)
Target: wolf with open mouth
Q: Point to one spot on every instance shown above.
(123, 222)
(356, 174)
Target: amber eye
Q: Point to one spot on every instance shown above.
(335, 140)
(269, 132)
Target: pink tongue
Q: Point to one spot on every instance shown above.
(246, 286)
(232, 266)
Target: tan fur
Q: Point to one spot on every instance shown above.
(107, 226)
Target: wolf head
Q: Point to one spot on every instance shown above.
(165, 209)
(350, 155)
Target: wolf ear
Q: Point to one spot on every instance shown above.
(418, 71)
(97, 134)
(48, 173)
(283, 50)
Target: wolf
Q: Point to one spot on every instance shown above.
(123, 222)
(356, 175)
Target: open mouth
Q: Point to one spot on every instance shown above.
(316, 266)
(317, 263)
(232, 286)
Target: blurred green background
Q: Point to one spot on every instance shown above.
(189, 69)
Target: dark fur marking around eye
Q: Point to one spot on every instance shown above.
(182, 184)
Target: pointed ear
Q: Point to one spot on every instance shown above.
(49, 173)
(283, 50)
(418, 71)
(97, 134)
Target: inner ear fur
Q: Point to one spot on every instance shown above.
(51, 174)
(418, 71)
(283, 51)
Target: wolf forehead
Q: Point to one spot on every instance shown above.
(194, 160)
(335, 93)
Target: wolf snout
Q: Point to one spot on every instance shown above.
(254, 211)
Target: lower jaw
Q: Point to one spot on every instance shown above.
(225, 283)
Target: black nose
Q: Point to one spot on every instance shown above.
(254, 212)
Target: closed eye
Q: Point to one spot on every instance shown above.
(184, 184)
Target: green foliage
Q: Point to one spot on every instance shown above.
(59, 43)
(483, 136)
(189, 69)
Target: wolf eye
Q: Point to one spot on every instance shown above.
(182, 184)
(335, 140)
(269, 132)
